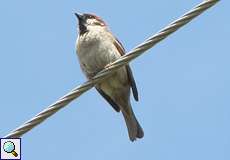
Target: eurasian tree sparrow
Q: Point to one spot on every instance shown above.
(96, 48)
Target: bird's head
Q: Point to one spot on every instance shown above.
(86, 21)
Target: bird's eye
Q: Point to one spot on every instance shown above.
(90, 16)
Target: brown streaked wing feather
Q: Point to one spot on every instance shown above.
(121, 50)
(133, 83)
(108, 99)
(119, 47)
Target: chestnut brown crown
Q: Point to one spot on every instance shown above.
(86, 20)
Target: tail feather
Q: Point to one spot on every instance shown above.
(140, 132)
(133, 126)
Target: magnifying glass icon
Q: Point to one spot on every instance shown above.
(9, 147)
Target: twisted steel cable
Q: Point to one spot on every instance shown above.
(140, 49)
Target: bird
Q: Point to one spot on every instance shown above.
(96, 48)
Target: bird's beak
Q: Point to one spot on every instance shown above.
(81, 22)
(79, 16)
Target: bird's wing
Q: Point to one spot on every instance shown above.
(108, 99)
(121, 50)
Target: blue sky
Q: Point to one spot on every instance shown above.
(183, 82)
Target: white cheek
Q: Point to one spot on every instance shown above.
(91, 21)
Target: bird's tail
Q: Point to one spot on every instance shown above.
(133, 126)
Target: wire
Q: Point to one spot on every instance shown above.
(102, 75)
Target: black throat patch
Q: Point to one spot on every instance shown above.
(82, 29)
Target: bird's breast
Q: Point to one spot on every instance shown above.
(95, 50)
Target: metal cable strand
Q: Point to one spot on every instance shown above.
(149, 43)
